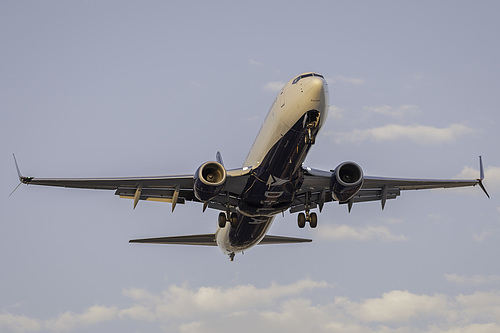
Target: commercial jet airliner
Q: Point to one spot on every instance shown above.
(272, 179)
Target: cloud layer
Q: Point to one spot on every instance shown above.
(417, 133)
(280, 308)
(367, 233)
(400, 111)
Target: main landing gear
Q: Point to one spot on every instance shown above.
(226, 217)
(312, 218)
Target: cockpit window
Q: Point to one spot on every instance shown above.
(297, 79)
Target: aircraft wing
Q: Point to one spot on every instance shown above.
(174, 189)
(315, 190)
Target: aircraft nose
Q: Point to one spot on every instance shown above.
(315, 88)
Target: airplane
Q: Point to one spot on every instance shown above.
(271, 181)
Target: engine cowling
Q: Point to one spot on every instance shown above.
(209, 180)
(346, 181)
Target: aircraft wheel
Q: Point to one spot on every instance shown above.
(234, 220)
(313, 220)
(222, 220)
(301, 220)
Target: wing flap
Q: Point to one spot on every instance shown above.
(156, 194)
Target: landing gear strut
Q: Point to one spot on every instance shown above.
(310, 138)
(311, 121)
(312, 218)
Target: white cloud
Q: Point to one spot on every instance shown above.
(474, 280)
(14, 323)
(335, 112)
(367, 233)
(418, 76)
(491, 176)
(180, 301)
(93, 315)
(398, 306)
(253, 120)
(483, 235)
(351, 80)
(402, 110)
(281, 308)
(274, 86)
(254, 62)
(417, 133)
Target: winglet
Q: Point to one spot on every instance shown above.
(17, 167)
(481, 177)
(22, 179)
(481, 170)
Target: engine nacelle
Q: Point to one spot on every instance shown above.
(346, 181)
(209, 180)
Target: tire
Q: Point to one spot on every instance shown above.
(222, 220)
(301, 220)
(313, 223)
(234, 220)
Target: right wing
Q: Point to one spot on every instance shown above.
(315, 190)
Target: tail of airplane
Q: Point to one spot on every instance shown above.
(209, 240)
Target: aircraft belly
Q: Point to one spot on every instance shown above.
(248, 233)
(272, 185)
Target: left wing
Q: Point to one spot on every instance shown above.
(174, 189)
(315, 190)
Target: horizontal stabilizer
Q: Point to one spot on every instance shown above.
(283, 240)
(205, 239)
(209, 240)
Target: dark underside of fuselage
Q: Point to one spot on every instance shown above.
(273, 184)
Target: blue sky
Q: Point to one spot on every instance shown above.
(120, 88)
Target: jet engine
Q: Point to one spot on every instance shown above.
(346, 181)
(209, 180)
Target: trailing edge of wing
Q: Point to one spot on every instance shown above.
(209, 240)
(283, 240)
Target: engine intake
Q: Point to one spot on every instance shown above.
(346, 181)
(209, 180)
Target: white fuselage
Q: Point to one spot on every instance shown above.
(286, 118)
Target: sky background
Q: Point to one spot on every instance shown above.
(127, 88)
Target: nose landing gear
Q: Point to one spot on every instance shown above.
(310, 138)
(311, 122)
